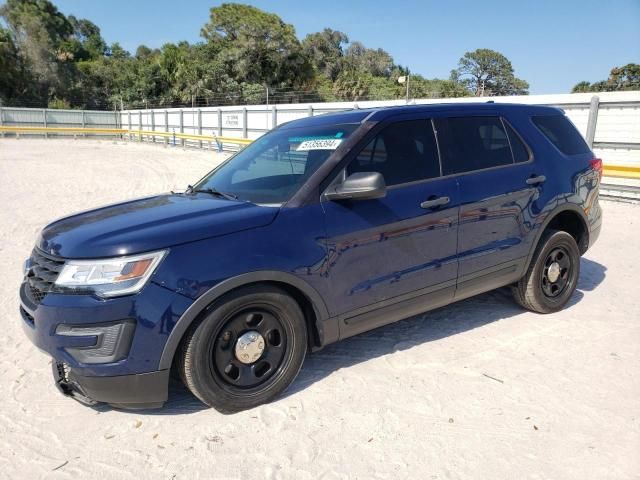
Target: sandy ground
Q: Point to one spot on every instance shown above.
(480, 389)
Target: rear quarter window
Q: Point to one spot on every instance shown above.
(561, 132)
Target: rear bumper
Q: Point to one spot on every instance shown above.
(595, 225)
(138, 391)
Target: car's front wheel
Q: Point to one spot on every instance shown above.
(246, 349)
(552, 276)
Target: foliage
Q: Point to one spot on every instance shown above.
(622, 78)
(49, 59)
(487, 72)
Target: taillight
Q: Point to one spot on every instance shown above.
(596, 164)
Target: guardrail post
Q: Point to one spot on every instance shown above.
(310, 111)
(199, 117)
(140, 125)
(181, 126)
(153, 125)
(129, 120)
(83, 124)
(274, 117)
(245, 130)
(593, 120)
(166, 127)
(1, 120)
(219, 122)
(44, 121)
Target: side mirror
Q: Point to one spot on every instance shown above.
(359, 186)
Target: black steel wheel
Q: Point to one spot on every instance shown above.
(552, 276)
(250, 348)
(556, 273)
(245, 350)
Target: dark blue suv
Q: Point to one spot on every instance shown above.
(321, 229)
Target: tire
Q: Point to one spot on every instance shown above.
(536, 290)
(223, 375)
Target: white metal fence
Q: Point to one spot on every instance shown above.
(45, 117)
(610, 121)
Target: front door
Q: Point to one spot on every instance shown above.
(400, 247)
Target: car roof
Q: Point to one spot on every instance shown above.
(381, 113)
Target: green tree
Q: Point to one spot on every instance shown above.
(581, 87)
(377, 62)
(325, 50)
(257, 47)
(88, 41)
(487, 72)
(622, 78)
(626, 77)
(39, 30)
(11, 71)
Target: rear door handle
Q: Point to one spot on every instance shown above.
(436, 202)
(536, 180)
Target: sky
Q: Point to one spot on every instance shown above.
(553, 44)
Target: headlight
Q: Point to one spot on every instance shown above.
(109, 277)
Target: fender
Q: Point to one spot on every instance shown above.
(548, 218)
(327, 329)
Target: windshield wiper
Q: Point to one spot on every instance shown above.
(213, 191)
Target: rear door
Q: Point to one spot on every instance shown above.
(499, 182)
(395, 248)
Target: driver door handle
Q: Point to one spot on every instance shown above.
(436, 202)
(536, 180)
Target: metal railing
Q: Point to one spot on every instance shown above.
(125, 134)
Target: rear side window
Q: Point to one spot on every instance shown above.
(560, 131)
(403, 152)
(519, 149)
(472, 143)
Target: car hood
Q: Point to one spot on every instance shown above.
(149, 224)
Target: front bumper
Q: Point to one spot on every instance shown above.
(134, 380)
(137, 391)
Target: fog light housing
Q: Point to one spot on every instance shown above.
(110, 342)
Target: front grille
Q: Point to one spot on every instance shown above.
(42, 274)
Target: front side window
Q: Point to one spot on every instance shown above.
(271, 169)
(403, 152)
(472, 143)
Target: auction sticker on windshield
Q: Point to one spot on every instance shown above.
(320, 144)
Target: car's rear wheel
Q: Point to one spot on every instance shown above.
(552, 276)
(247, 348)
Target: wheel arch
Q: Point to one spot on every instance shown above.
(321, 330)
(569, 218)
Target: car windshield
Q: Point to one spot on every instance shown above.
(272, 168)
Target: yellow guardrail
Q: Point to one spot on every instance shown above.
(5, 128)
(620, 171)
(187, 136)
(123, 131)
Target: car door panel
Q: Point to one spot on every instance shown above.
(381, 249)
(494, 216)
(386, 250)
